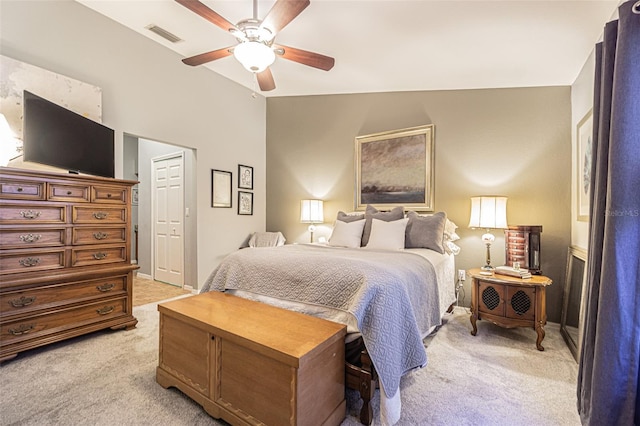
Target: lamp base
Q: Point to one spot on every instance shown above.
(487, 268)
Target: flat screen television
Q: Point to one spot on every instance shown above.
(56, 136)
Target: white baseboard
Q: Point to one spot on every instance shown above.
(145, 276)
(190, 288)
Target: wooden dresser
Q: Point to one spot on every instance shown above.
(65, 263)
(250, 363)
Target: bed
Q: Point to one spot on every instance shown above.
(390, 294)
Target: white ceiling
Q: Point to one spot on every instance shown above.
(394, 45)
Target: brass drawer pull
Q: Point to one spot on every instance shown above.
(106, 310)
(30, 238)
(30, 214)
(108, 195)
(100, 215)
(100, 235)
(30, 261)
(69, 192)
(105, 287)
(22, 329)
(99, 256)
(19, 189)
(23, 301)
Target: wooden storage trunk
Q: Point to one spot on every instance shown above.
(250, 363)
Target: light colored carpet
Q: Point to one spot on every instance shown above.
(495, 378)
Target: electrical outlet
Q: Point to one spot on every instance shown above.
(462, 275)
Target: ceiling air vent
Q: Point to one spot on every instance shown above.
(163, 33)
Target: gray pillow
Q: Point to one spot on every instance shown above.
(371, 212)
(343, 217)
(425, 232)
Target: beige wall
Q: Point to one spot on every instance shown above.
(513, 142)
(148, 92)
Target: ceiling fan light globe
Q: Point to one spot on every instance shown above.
(254, 56)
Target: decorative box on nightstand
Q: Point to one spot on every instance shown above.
(522, 244)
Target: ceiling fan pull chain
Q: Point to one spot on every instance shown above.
(255, 9)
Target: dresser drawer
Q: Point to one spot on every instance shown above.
(31, 260)
(68, 192)
(32, 214)
(22, 189)
(32, 237)
(98, 255)
(43, 324)
(109, 194)
(99, 214)
(98, 235)
(25, 301)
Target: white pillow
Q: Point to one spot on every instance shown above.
(347, 234)
(387, 235)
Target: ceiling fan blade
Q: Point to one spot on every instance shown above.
(265, 80)
(311, 59)
(201, 9)
(283, 12)
(208, 56)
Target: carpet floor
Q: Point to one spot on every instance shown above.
(108, 377)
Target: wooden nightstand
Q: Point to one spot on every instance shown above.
(509, 302)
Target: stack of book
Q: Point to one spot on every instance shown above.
(508, 270)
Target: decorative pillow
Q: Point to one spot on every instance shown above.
(449, 229)
(387, 235)
(426, 231)
(347, 234)
(344, 217)
(373, 213)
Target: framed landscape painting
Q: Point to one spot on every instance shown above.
(395, 168)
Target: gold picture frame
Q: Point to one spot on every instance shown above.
(584, 136)
(396, 168)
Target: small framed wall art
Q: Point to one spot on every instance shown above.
(245, 177)
(220, 188)
(245, 203)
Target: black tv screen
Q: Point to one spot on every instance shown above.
(58, 137)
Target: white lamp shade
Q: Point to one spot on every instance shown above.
(488, 212)
(254, 56)
(311, 211)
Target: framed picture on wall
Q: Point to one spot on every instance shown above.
(396, 168)
(245, 177)
(584, 136)
(245, 203)
(220, 188)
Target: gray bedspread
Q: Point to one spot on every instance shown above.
(392, 295)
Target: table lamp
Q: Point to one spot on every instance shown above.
(311, 211)
(488, 212)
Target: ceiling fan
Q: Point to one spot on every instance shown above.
(256, 49)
